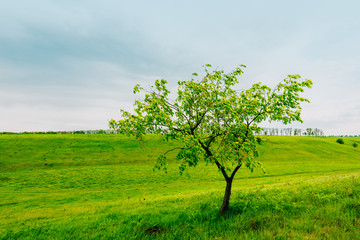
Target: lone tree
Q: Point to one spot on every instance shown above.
(213, 121)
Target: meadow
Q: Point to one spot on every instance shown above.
(98, 186)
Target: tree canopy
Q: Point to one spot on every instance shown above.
(215, 122)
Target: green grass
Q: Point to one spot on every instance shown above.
(103, 187)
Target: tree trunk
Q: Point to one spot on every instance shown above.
(225, 204)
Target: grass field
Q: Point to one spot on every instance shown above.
(103, 187)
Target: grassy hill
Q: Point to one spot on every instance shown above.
(104, 186)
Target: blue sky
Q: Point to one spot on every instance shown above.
(71, 65)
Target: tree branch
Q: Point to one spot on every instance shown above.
(199, 121)
(209, 154)
(173, 150)
(222, 169)
(234, 172)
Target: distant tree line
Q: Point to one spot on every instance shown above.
(265, 131)
(344, 135)
(67, 132)
(292, 132)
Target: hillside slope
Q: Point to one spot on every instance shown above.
(49, 181)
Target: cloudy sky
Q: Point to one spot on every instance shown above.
(71, 65)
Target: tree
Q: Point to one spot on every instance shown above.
(309, 132)
(214, 122)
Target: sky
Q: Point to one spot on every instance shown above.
(72, 65)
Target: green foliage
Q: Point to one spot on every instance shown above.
(259, 140)
(214, 122)
(355, 145)
(340, 141)
(79, 132)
